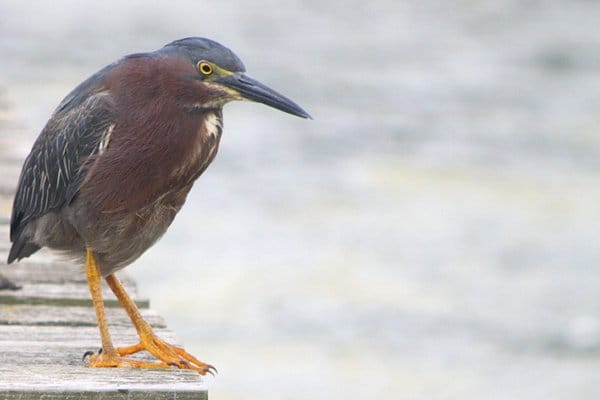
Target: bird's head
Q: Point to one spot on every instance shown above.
(219, 75)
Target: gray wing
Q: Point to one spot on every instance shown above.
(54, 170)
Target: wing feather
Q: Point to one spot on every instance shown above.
(54, 170)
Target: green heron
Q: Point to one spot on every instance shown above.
(114, 164)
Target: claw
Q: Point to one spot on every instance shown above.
(87, 354)
(212, 370)
(167, 353)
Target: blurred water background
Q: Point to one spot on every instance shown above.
(432, 234)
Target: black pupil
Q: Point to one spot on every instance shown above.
(206, 68)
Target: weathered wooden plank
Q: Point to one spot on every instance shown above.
(60, 345)
(28, 353)
(57, 283)
(52, 272)
(58, 354)
(69, 316)
(63, 345)
(62, 295)
(69, 382)
(70, 335)
(62, 354)
(120, 394)
(7, 284)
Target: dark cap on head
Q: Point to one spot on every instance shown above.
(199, 49)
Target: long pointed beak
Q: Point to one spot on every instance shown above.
(253, 90)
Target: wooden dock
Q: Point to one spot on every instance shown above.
(47, 321)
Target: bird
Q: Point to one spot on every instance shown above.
(114, 164)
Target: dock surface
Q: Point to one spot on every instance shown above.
(47, 321)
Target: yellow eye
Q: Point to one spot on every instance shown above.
(205, 68)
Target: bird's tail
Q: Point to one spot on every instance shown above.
(21, 248)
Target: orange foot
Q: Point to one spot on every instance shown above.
(167, 353)
(113, 360)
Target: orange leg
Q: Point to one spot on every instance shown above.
(167, 353)
(109, 357)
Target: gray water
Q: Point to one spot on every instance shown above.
(431, 234)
